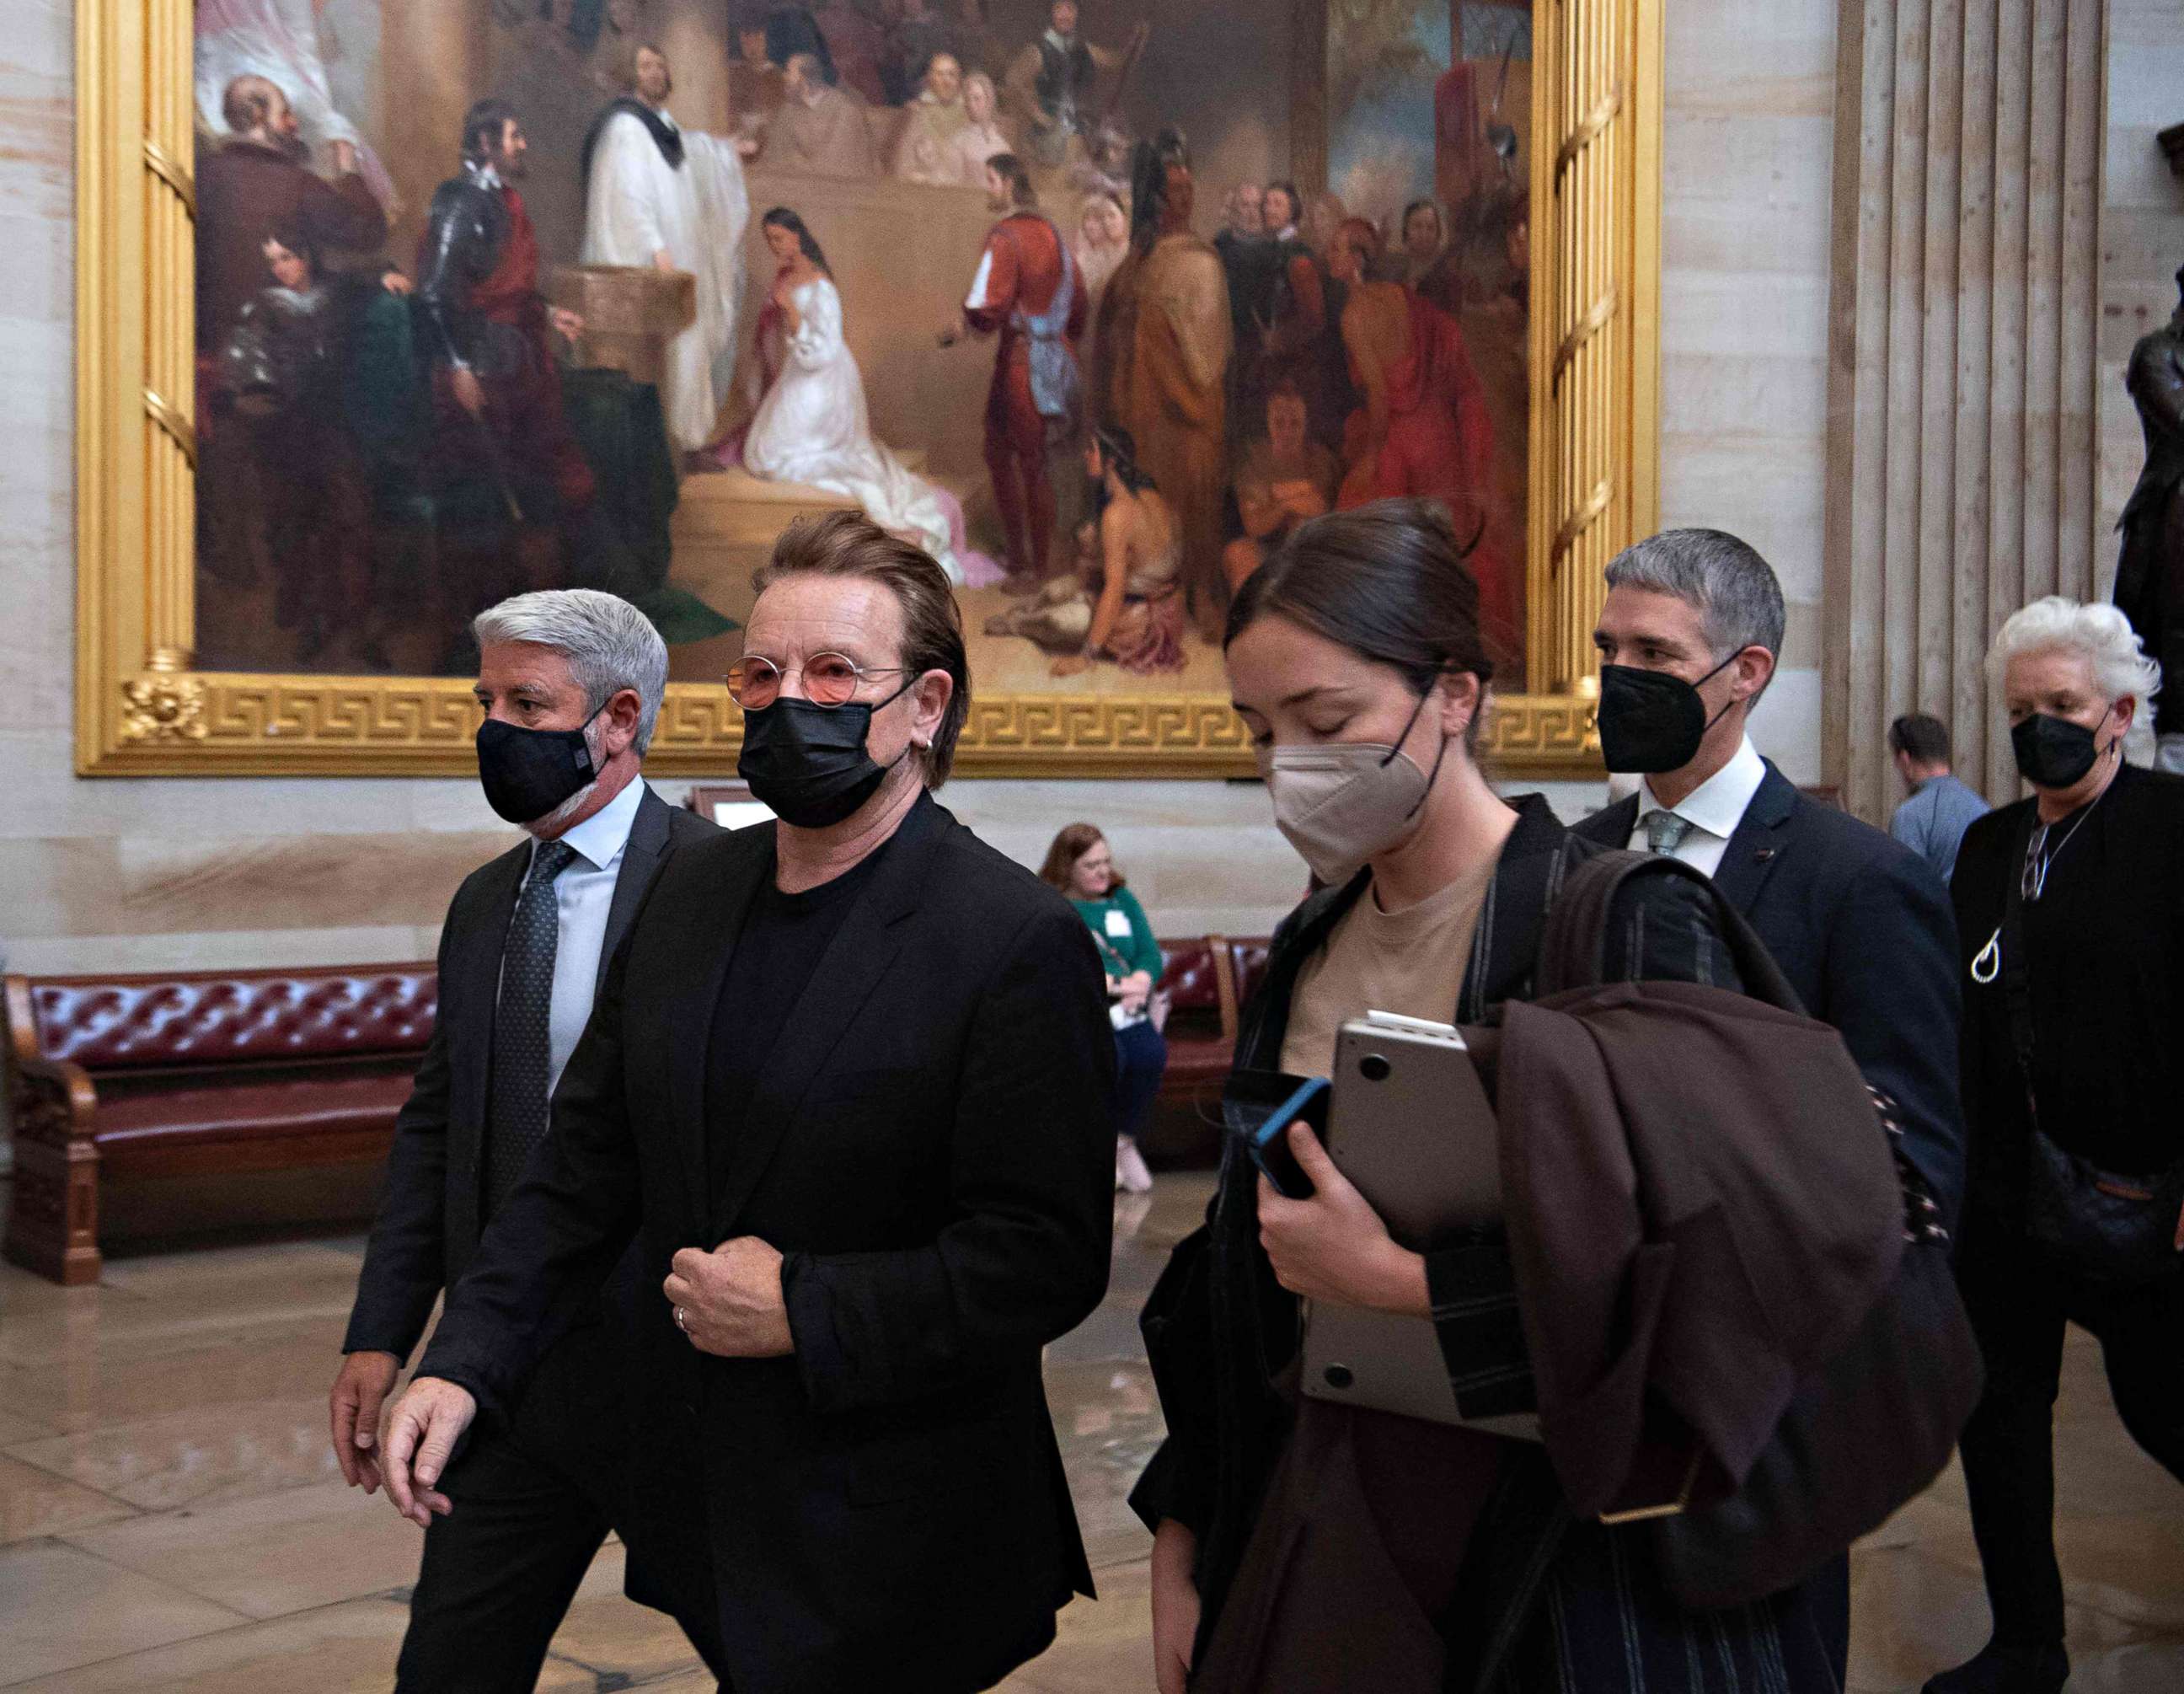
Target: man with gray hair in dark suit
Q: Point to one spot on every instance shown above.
(570, 684)
(1689, 636)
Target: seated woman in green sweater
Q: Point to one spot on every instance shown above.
(1082, 865)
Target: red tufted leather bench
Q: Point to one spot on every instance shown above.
(1208, 980)
(178, 1075)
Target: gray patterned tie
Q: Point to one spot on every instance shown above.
(1665, 831)
(516, 1111)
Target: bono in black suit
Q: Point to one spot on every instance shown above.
(850, 1085)
(570, 684)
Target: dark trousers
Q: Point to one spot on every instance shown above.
(532, 1501)
(704, 1631)
(1827, 1594)
(2020, 1299)
(1140, 1056)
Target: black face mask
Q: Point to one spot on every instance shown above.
(808, 762)
(2054, 752)
(527, 773)
(1650, 721)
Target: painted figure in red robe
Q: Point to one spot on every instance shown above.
(1424, 431)
(1030, 291)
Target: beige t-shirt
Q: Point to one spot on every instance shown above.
(1411, 961)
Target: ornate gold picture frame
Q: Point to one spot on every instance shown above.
(144, 707)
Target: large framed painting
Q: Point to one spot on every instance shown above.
(388, 309)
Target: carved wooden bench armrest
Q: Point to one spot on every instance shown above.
(53, 1215)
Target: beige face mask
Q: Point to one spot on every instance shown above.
(1342, 805)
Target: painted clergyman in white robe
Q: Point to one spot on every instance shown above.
(673, 198)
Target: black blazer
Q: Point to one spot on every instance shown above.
(1861, 926)
(427, 1227)
(931, 1146)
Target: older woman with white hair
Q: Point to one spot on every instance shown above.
(2071, 915)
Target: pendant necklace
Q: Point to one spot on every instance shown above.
(2033, 883)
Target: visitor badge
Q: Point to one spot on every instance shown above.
(1118, 923)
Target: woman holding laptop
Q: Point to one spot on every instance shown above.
(1302, 1546)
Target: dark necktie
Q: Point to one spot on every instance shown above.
(515, 1113)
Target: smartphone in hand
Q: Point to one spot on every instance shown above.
(1258, 1107)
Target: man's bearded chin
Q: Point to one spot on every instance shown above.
(508, 166)
(289, 144)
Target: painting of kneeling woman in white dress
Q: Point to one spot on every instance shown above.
(812, 426)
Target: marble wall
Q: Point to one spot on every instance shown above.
(115, 874)
(1746, 171)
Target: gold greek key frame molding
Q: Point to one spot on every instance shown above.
(1596, 83)
(142, 707)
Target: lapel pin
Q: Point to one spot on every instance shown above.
(1763, 855)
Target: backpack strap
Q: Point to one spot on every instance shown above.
(1573, 952)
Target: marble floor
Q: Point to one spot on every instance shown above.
(171, 1517)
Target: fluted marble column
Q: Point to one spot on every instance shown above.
(1963, 445)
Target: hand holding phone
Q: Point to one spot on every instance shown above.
(1258, 1107)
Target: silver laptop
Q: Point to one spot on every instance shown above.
(1411, 1127)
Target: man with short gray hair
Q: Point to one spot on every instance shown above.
(1688, 637)
(569, 683)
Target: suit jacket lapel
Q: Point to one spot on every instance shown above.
(701, 959)
(854, 962)
(640, 859)
(1761, 839)
(472, 994)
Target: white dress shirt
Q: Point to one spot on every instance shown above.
(1713, 809)
(583, 894)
